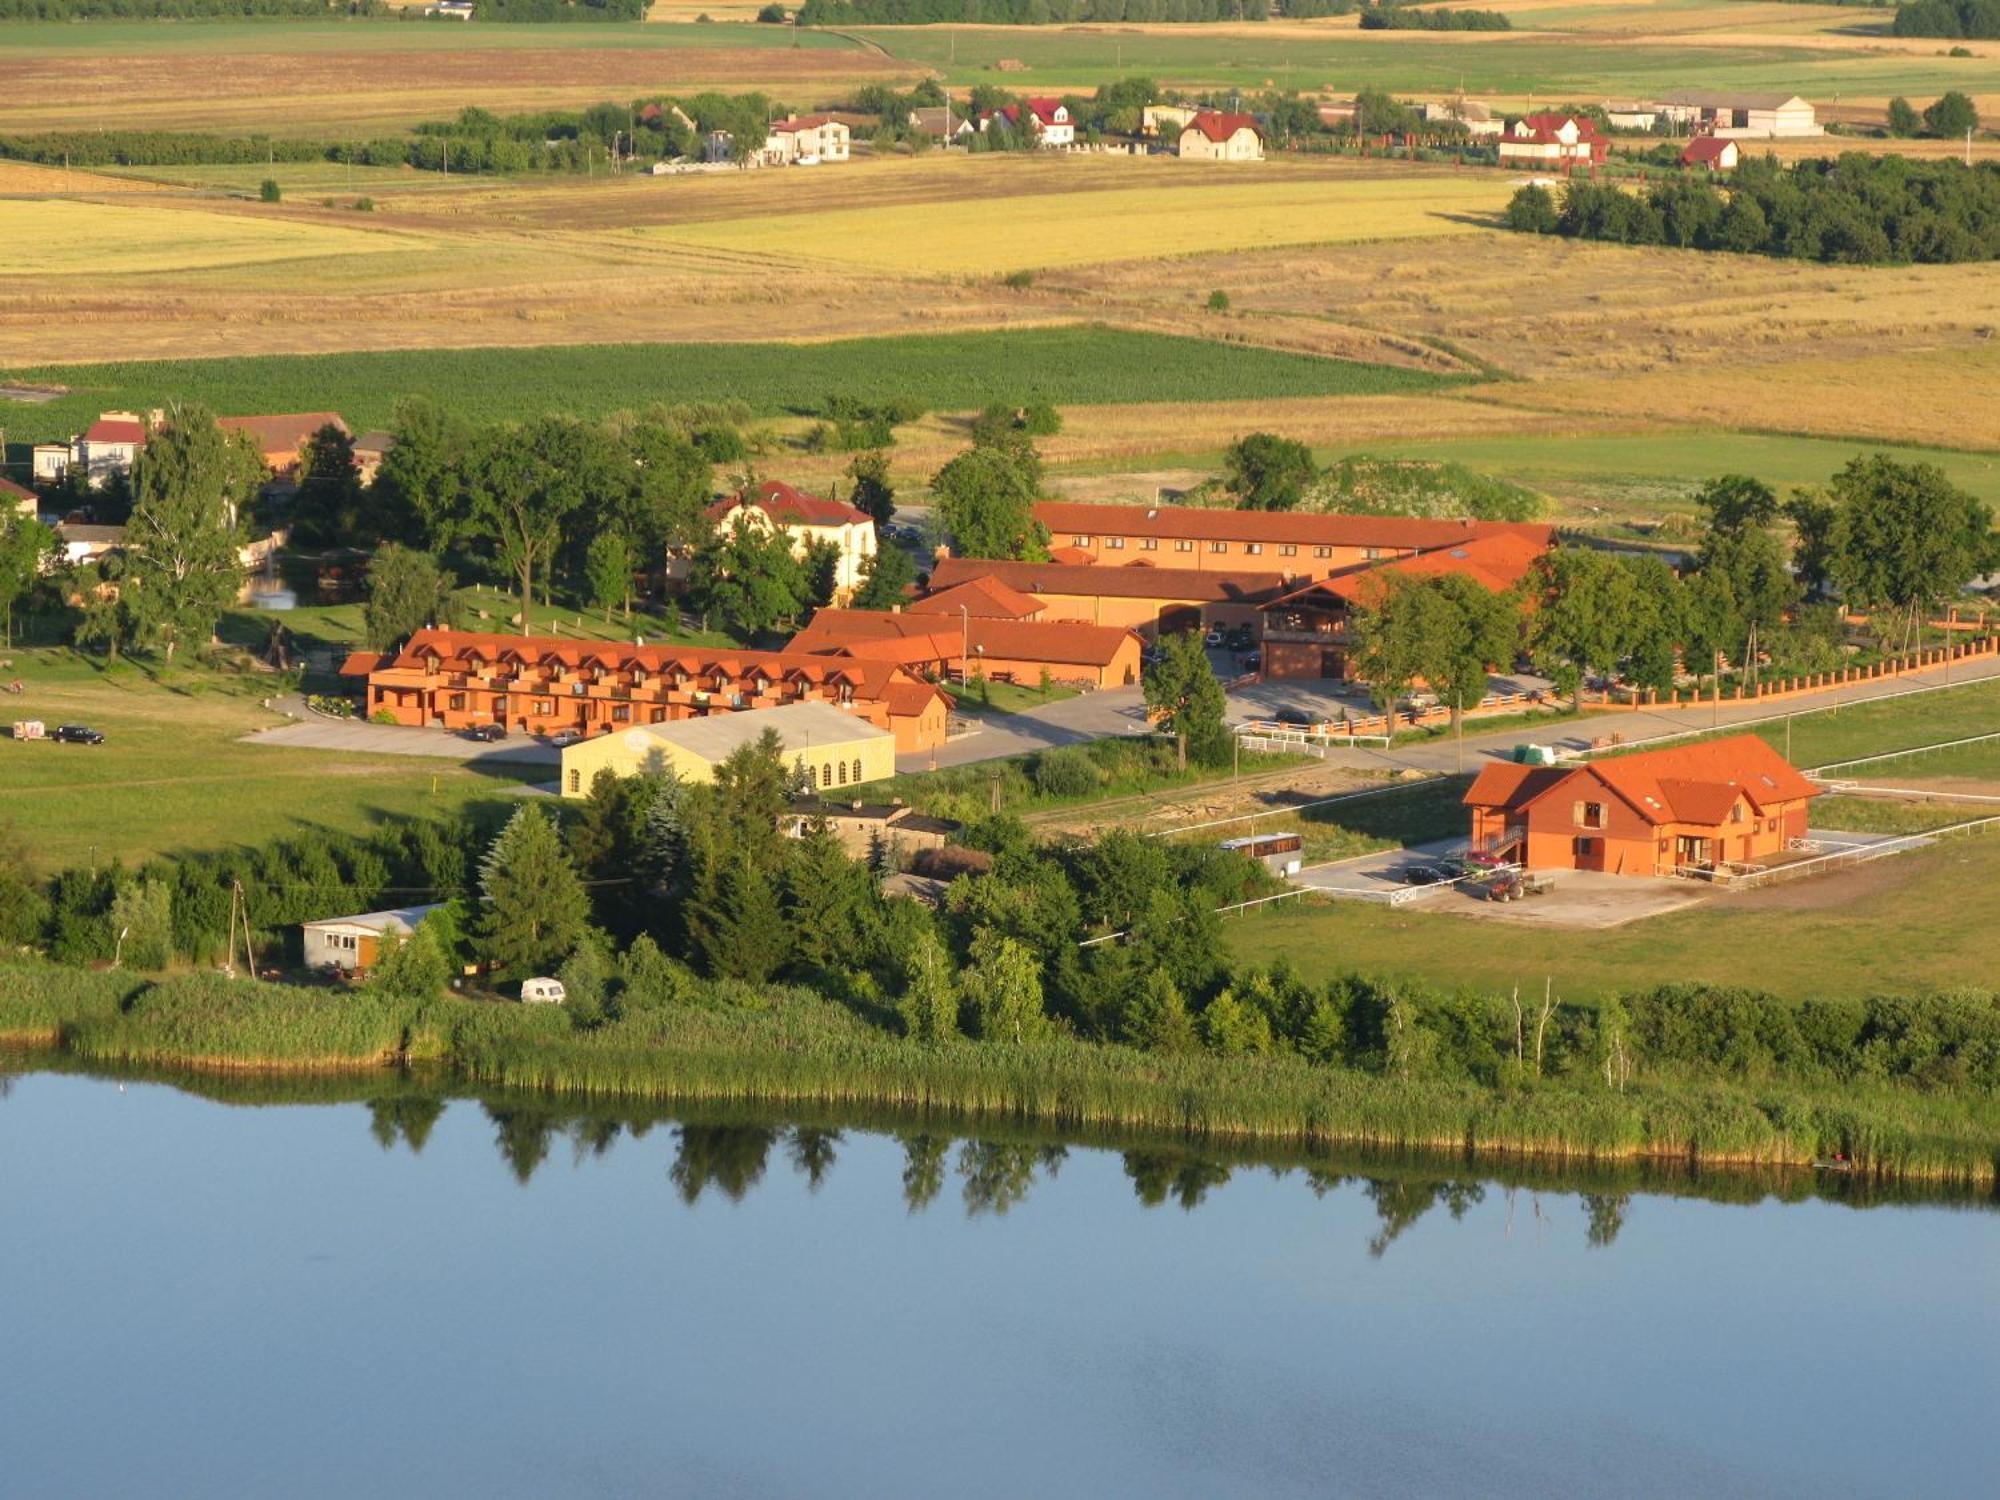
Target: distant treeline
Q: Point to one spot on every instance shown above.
(1977, 20)
(562, 10)
(1028, 12)
(186, 10)
(1861, 209)
(474, 140)
(1395, 18)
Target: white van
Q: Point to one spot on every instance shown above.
(542, 992)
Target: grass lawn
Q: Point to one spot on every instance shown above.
(1886, 815)
(1009, 698)
(1828, 736)
(1901, 924)
(173, 773)
(959, 371)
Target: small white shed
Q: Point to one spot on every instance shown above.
(353, 944)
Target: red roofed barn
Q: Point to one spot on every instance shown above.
(1726, 801)
(1712, 152)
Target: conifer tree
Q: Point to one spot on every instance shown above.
(535, 907)
(1157, 1018)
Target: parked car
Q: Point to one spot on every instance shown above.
(1292, 716)
(77, 734)
(564, 737)
(487, 733)
(1254, 662)
(1424, 875)
(1241, 638)
(1213, 638)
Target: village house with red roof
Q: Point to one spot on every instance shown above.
(1558, 141)
(1689, 807)
(806, 519)
(1048, 118)
(281, 438)
(1714, 153)
(1215, 136)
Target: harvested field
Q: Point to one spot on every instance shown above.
(27, 179)
(1948, 394)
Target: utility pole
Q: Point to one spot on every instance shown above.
(964, 646)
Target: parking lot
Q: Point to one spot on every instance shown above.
(1575, 898)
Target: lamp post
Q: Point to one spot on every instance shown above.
(964, 645)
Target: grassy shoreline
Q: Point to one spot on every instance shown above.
(790, 1050)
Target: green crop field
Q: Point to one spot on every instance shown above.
(1660, 471)
(1550, 67)
(1911, 921)
(1078, 364)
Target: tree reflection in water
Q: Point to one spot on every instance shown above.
(812, 1152)
(998, 1174)
(923, 1168)
(1160, 1175)
(1400, 1203)
(404, 1117)
(730, 1157)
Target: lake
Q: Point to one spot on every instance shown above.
(417, 1296)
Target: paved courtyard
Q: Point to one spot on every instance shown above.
(314, 732)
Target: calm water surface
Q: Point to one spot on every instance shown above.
(205, 1299)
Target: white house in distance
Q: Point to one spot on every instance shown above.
(1551, 140)
(805, 519)
(1743, 116)
(1048, 118)
(352, 945)
(100, 452)
(1214, 136)
(804, 140)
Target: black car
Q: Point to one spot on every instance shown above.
(1292, 716)
(77, 734)
(1424, 875)
(487, 733)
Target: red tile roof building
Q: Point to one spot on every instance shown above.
(1215, 136)
(281, 438)
(1308, 630)
(1712, 152)
(1552, 140)
(1726, 801)
(1298, 544)
(1001, 650)
(454, 679)
(1140, 597)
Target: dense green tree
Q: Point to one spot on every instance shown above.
(737, 922)
(418, 492)
(873, 494)
(608, 566)
(748, 578)
(985, 497)
(829, 901)
(27, 549)
(1593, 612)
(1448, 631)
(929, 1006)
(328, 503)
(412, 968)
(1187, 701)
(1532, 210)
(1234, 1029)
(24, 910)
(1904, 538)
(1156, 1016)
(534, 907)
(1903, 120)
(1267, 472)
(189, 484)
(886, 579)
(1951, 116)
(1003, 985)
(407, 590)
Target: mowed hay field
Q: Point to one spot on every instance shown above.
(1253, 209)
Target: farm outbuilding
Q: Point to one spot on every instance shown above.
(353, 945)
(833, 747)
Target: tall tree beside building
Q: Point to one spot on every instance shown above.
(535, 909)
(608, 566)
(329, 499)
(407, 590)
(986, 498)
(189, 484)
(1181, 689)
(748, 578)
(418, 492)
(1905, 539)
(26, 547)
(1447, 631)
(1592, 613)
(874, 496)
(885, 579)
(1267, 472)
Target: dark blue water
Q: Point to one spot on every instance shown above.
(204, 1299)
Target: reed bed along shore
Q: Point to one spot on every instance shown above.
(792, 1049)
